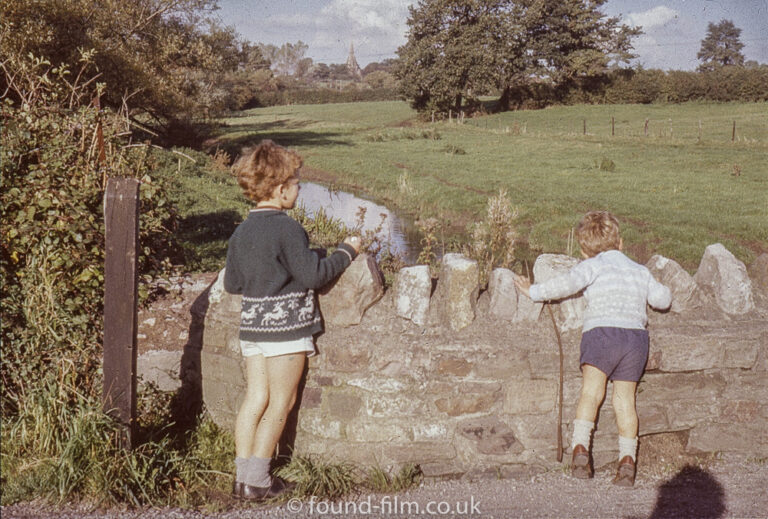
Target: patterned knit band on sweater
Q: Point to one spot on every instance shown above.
(276, 314)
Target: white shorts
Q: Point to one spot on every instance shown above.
(275, 348)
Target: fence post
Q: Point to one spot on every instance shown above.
(584, 129)
(121, 219)
(733, 133)
(613, 126)
(645, 129)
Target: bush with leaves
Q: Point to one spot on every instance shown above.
(54, 173)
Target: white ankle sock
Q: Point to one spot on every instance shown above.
(627, 447)
(241, 468)
(257, 474)
(582, 432)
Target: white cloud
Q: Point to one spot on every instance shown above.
(376, 27)
(656, 17)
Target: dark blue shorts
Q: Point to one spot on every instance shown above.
(620, 353)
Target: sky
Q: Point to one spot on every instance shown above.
(673, 29)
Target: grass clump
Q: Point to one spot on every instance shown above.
(492, 240)
(62, 446)
(326, 480)
(314, 477)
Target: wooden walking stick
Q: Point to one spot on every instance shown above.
(560, 393)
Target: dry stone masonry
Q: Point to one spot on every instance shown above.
(460, 387)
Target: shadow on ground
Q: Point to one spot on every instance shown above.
(281, 135)
(693, 492)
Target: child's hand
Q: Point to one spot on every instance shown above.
(354, 242)
(523, 284)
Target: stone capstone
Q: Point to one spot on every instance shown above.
(722, 276)
(412, 289)
(501, 287)
(457, 290)
(345, 300)
(686, 294)
(570, 310)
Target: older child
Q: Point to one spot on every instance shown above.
(270, 263)
(614, 341)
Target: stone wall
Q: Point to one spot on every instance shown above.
(457, 394)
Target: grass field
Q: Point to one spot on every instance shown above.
(678, 183)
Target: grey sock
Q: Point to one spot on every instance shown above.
(257, 474)
(241, 468)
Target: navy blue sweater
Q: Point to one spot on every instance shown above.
(270, 263)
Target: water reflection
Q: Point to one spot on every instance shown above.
(398, 231)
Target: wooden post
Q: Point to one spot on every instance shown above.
(584, 129)
(733, 133)
(699, 130)
(613, 126)
(121, 219)
(645, 130)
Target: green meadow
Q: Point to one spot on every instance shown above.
(677, 176)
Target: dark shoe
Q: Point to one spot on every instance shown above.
(279, 486)
(580, 466)
(237, 489)
(625, 475)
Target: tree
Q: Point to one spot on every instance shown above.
(459, 49)
(380, 79)
(288, 59)
(453, 51)
(162, 57)
(721, 46)
(387, 65)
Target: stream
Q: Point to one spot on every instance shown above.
(397, 230)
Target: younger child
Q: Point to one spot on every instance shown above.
(614, 341)
(270, 263)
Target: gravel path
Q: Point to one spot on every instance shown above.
(733, 487)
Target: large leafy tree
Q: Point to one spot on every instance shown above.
(457, 49)
(454, 51)
(162, 57)
(721, 46)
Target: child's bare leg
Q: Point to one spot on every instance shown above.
(284, 373)
(592, 393)
(626, 417)
(253, 406)
(624, 407)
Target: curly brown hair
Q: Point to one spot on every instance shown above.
(598, 231)
(261, 169)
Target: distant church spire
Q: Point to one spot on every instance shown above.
(352, 66)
